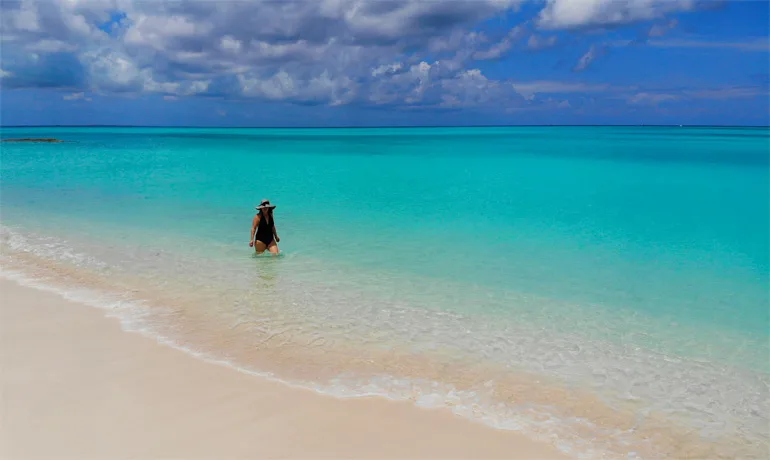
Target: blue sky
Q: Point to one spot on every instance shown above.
(402, 62)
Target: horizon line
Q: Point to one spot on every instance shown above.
(394, 126)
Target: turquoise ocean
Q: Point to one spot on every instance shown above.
(604, 289)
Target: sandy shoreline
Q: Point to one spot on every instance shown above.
(74, 385)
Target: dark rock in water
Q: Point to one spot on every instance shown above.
(34, 139)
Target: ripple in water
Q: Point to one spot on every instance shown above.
(515, 362)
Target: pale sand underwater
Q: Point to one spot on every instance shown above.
(613, 302)
(74, 385)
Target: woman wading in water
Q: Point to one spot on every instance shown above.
(263, 232)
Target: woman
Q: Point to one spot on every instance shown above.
(263, 232)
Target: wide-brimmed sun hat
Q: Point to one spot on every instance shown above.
(266, 205)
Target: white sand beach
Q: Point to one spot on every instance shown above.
(74, 385)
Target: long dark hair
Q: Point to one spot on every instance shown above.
(267, 212)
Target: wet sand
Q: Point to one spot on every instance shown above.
(74, 385)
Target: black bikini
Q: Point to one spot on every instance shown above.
(265, 231)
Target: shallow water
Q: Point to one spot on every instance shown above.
(605, 289)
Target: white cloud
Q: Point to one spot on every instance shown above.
(76, 97)
(319, 88)
(571, 14)
(493, 52)
(387, 69)
(441, 85)
(502, 47)
(471, 88)
(538, 42)
(279, 86)
(652, 98)
(407, 53)
(725, 93)
(50, 46)
(26, 18)
(161, 31)
(589, 57)
(759, 44)
(659, 30)
(73, 96)
(230, 44)
(530, 89)
(112, 70)
(255, 49)
(722, 93)
(337, 90)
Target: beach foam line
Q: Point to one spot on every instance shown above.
(155, 396)
(574, 436)
(130, 315)
(540, 426)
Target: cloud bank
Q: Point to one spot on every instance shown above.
(325, 52)
(405, 54)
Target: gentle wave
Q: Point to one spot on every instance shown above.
(133, 316)
(656, 400)
(534, 421)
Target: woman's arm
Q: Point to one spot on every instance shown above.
(275, 234)
(254, 225)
